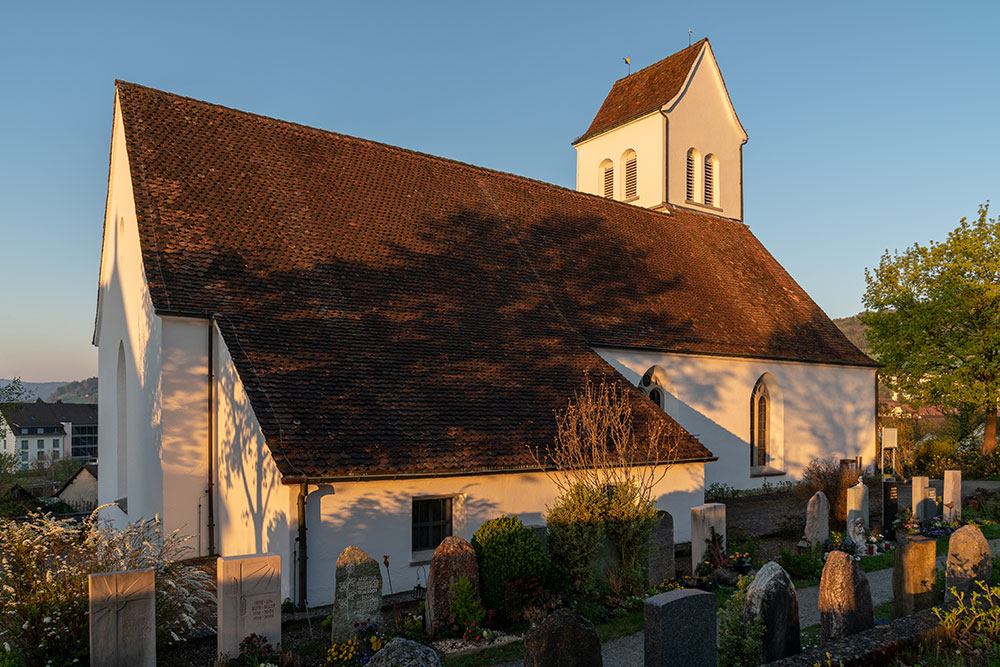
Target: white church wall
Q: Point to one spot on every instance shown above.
(819, 410)
(130, 441)
(255, 513)
(377, 516)
(702, 118)
(645, 136)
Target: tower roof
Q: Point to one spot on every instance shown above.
(645, 91)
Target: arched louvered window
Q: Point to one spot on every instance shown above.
(760, 424)
(711, 180)
(631, 175)
(608, 176)
(693, 163)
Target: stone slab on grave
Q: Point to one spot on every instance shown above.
(680, 629)
(123, 619)
(706, 519)
(357, 597)
(249, 600)
(952, 495)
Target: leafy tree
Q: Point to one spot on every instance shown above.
(935, 320)
(12, 392)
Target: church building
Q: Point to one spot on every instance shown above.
(309, 340)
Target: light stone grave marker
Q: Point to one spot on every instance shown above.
(952, 495)
(857, 504)
(249, 600)
(922, 507)
(705, 519)
(818, 519)
(358, 594)
(123, 619)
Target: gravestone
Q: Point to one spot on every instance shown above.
(932, 503)
(661, 549)
(857, 504)
(913, 574)
(890, 508)
(122, 619)
(704, 520)
(563, 639)
(358, 594)
(969, 561)
(922, 506)
(845, 598)
(249, 600)
(680, 629)
(453, 559)
(952, 495)
(405, 653)
(818, 519)
(771, 598)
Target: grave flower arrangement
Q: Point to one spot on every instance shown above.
(937, 527)
(906, 523)
(741, 561)
(357, 650)
(839, 542)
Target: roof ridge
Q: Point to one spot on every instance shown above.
(410, 151)
(654, 64)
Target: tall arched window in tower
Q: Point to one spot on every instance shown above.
(711, 180)
(607, 174)
(760, 424)
(122, 409)
(631, 178)
(693, 165)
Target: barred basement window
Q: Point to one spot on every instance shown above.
(711, 167)
(631, 176)
(609, 179)
(431, 522)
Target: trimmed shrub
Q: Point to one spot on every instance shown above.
(629, 520)
(507, 551)
(576, 524)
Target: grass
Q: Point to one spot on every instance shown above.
(616, 627)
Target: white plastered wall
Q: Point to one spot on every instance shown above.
(702, 117)
(818, 410)
(255, 513)
(377, 516)
(646, 136)
(126, 320)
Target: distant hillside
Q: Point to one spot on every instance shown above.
(36, 389)
(855, 332)
(80, 391)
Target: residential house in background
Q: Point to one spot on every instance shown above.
(80, 490)
(309, 340)
(49, 431)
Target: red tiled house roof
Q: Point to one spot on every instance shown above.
(390, 311)
(645, 91)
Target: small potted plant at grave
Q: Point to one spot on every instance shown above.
(741, 562)
(906, 523)
(875, 539)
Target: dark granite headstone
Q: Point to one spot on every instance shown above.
(890, 507)
(681, 629)
(564, 639)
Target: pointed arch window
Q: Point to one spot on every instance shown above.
(608, 179)
(657, 386)
(711, 180)
(631, 175)
(760, 425)
(693, 166)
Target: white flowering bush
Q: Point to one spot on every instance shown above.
(44, 563)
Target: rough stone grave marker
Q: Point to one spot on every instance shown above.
(453, 559)
(704, 520)
(249, 600)
(771, 597)
(969, 561)
(818, 519)
(890, 508)
(680, 629)
(563, 639)
(857, 504)
(661, 549)
(358, 594)
(845, 598)
(952, 495)
(123, 619)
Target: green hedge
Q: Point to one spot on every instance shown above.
(507, 551)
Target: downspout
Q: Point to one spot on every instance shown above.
(666, 157)
(211, 437)
(303, 558)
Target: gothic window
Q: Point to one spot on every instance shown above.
(631, 176)
(711, 180)
(608, 176)
(760, 425)
(657, 386)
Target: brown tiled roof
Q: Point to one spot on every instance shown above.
(34, 414)
(390, 311)
(645, 91)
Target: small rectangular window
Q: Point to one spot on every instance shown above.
(55, 454)
(41, 444)
(55, 443)
(24, 456)
(24, 444)
(431, 522)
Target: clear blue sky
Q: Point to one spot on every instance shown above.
(872, 125)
